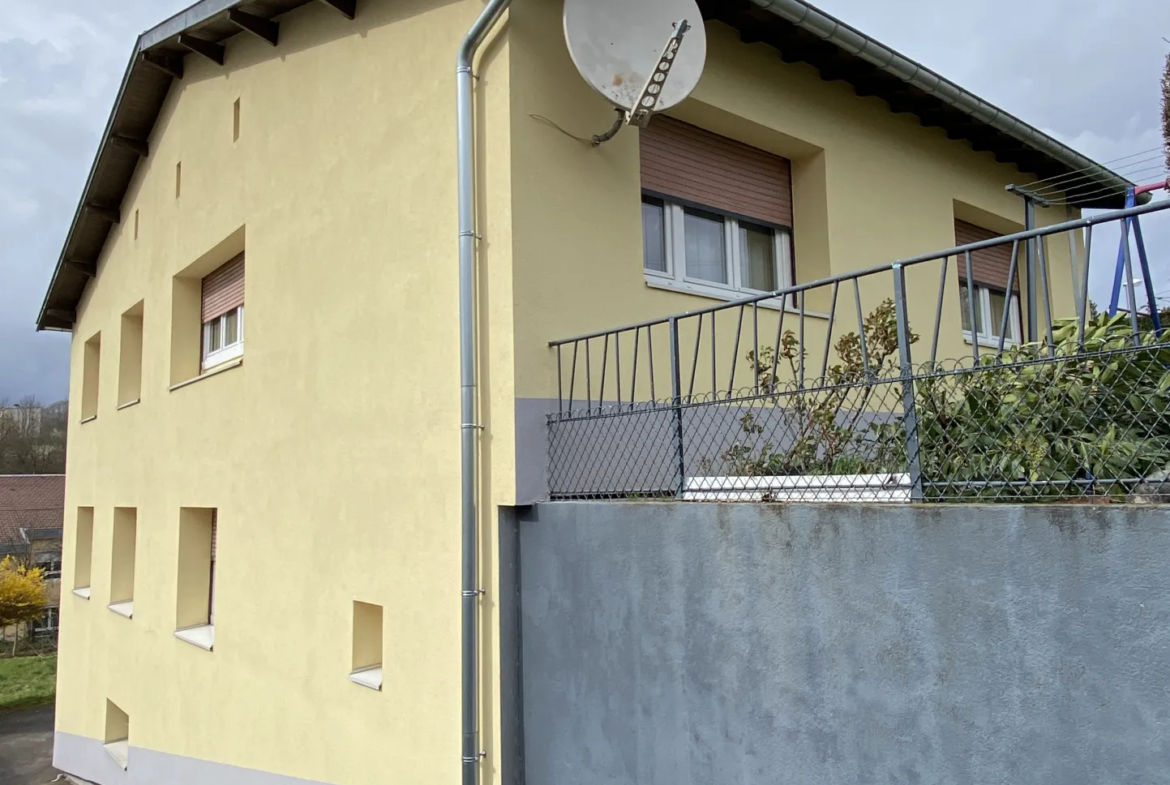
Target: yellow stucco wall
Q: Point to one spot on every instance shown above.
(331, 453)
(870, 187)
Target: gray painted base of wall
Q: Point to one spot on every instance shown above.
(688, 644)
(87, 759)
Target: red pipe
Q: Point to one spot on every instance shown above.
(1142, 189)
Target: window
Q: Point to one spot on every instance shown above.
(715, 212)
(223, 338)
(986, 271)
(222, 314)
(83, 552)
(195, 612)
(710, 252)
(51, 564)
(122, 561)
(90, 377)
(367, 645)
(117, 736)
(989, 313)
(47, 625)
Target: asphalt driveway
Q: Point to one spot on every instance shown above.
(26, 747)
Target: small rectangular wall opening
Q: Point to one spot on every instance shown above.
(117, 735)
(122, 561)
(367, 645)
(90, 376)
(135, 224)
(236, 121)
(130, 357)
(178, 179)
(83, 552)
(195, 608)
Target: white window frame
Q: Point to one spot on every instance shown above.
(982, 296)
(228, 352)
(674, 240)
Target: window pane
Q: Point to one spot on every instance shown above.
(213, 335)
(706, 256)
(231, 327)
(758, 248)
(963, 307)
(653, 235)
(998, 304)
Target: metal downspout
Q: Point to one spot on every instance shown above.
(465, 134)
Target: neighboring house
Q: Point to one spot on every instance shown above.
(32, 508)
(274, 523)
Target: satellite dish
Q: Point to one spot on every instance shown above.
(644, 56)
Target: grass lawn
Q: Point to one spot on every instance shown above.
(27, 681)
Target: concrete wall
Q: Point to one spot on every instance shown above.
(692, 643)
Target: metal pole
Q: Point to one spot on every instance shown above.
(676, 396)
(1122, 253)
(1030, 266)
(909, 408)
(469, 442)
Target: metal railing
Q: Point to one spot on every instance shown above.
(813, 393)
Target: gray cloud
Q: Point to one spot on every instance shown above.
(1084, 71)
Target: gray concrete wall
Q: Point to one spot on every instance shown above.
(666, 644)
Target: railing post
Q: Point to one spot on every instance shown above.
(909, 407)
(676, 400)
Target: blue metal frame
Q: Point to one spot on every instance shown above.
(1123, 265)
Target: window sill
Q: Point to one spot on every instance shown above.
(202, 636)
(90, 418)
(726, 295)
(128, 404)
(990, 343)
(368, 677)
(236, 363)
(120, 752)
(83, 592)
(123, 608)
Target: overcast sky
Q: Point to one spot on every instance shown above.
(1085, 71)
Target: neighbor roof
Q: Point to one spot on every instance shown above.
(801, 32)
(31, 502)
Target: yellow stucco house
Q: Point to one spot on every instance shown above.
(263, 561)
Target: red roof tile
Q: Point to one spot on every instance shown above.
(30, 501)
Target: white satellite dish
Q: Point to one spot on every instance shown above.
(644, 56)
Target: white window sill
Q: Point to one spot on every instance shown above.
(989, 342)
(726, 295)
(368, 677)
(236, 363)
(90, 418)
(202, 636)
(225, 355)
(120, 752)
(123, 608)
(128, 404)
(83, 592)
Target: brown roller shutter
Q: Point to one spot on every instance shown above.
(697, 166)
(214, 526)
(989, 266)
(223, 289)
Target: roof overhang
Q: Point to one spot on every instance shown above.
(799, 31)
(804, 34)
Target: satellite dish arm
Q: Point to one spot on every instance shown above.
(618, 124)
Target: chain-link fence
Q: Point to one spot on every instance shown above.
(1083, 414)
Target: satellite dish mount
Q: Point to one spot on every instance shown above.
(618, 47)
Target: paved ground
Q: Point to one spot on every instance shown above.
(26, 747)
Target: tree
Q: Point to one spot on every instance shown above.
(1166, 109)
(22, 594)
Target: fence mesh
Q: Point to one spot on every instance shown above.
(1085, 419)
